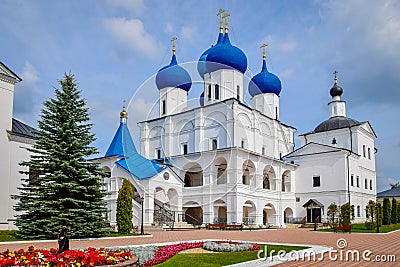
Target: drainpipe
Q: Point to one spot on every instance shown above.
(348, 165)
(348, 174)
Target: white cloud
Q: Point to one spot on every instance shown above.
(288, 47)
(188, 32)
(30, 74)
(286, 73)
(136, 6)
(27, 93)
(168, 28)
(140, 108)
(130, 34)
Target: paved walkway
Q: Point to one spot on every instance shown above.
(378, 244)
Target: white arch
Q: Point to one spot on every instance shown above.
(249, 170)
(249, 212)
(156, 131)
(270, 173)
(220, 170)
(269, 214)
(286, 181)
(193, 174)
(287, 215)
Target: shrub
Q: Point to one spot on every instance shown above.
(386, 211)
(370, 225)
(333, 213)
(393, 212)
(379, 213)
(346, 214)
(124, 208)
(370, 214)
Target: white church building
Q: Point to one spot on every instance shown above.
(223, 161)
(227, 162)
(15, 136)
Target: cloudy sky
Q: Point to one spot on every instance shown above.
(114, 48)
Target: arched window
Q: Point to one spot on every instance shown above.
(209, 92)
(283, 184)
(238, 92)
(266, 184)
(188, 181)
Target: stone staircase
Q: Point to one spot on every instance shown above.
(311, 225)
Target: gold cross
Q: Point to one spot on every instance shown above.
(226, 16)
(173, 40)
(124, 104)
(264, 48)
(220, 12)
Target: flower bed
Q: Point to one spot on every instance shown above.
(78, 258)
(229, 246)
(143, 253)
(166, 252)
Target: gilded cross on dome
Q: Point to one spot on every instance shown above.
(220, 12)
(173, 40)
(264, 48)
(226, 16)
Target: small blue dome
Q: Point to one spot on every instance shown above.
(201, 99)
(201, 64)
(225, 54)
(173, 75)
(265, 82)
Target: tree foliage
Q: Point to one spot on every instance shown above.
(346, 214)
(61, 184)
(124, 208)
(333, 213)
(393, 212)
(370, 211)
(386, 211)
(379, 214)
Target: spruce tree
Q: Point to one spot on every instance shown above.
(124, 208)
(62, 186)
(393, 212)
(386, 211)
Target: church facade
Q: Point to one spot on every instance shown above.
(223, 161)
(228, 162)
(15, 136)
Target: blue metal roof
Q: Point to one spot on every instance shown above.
(121, 142)
(132, 162)
(139, 167)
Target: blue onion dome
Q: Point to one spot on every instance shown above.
(265, 82)
(173, 75)
(202, 99)
(226, 55)
(201, 64)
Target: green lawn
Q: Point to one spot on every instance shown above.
(9, 235)
(221, 258)
(360, 228)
